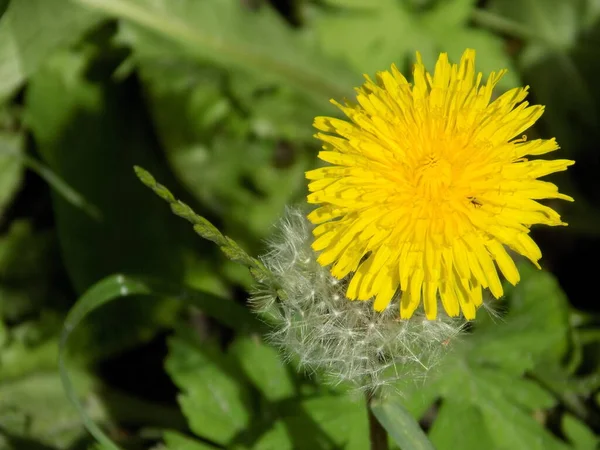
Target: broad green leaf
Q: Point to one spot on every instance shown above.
(77, 124)
(578, 434)
(225, 32)
(31, 30)
(371, 35)
(91, 133)
(535, 329)
(28, 350)
(178, 441)
(459, 425)
(34, 407)
(327, 422)
(504, 402)
(214, 399)
(276, 438)
(264, 366)
(11, 168)
(484, 373)
(400, 425)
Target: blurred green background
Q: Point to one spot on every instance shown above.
(216, 98)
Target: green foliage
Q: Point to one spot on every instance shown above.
(30, 31)
(234, 403)
(204, 228)
(216, 403)
(60, 103)
(560, 38)
(484, 378)
(34, 407)
(11, 168)
(271, 377)
(176, 441)
(223, 32)
(401, 426)
(216, 99)
(579, 435)
(383, 32)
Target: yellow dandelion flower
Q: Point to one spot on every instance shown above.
(427, 187)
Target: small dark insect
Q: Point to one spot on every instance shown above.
(476, 203)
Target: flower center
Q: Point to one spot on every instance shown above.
(433, 176)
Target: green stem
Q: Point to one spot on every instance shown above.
(377, 434)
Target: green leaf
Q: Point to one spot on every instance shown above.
(77, 124)
(484, 373)
(401, 426)
(223, 31)
(561, 39)
(118, 286)
(177, 441)
(3, 5)
(234, 142)
(459, 425)
(327, 422)
(30, 31)
(505, 403)
(276, 437)
(28, 349)
(90, 133)
(264, 366)
(35, 407)
(579, 434)
(535, 329)
(373, 35)
(11, 168)
(214, 399)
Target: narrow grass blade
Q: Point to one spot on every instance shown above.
(61, 186)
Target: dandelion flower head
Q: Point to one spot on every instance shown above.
(428, 185)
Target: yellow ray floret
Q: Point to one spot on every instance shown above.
(427, 187)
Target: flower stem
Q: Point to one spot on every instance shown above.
(377, 434)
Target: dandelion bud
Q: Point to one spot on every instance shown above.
(347, 341)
